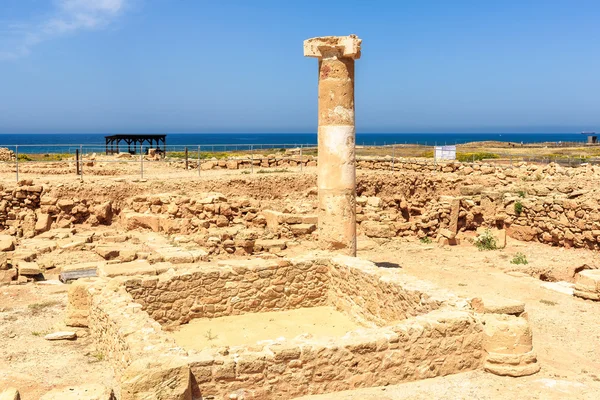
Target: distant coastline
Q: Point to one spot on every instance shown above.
(47, 143)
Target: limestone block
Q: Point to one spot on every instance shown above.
(454, 213)
(138, 267)
(103, 212)
(207, 165)
(79, 301)
(271, 245)
(508, 343)
(28, 268)
(7, 243)
(302, 229)
(7, 276)
(108, 252)
(157, 378)
(10, 394)
(378, 229)
(498, 305)
(524, 233)
(232, 164)
(43, 223)
(133, 220)
(348, 45)
(587, 284)
(447, 233)
(82, 392)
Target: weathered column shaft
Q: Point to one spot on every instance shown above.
(336, 164)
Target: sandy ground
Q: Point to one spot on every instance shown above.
(249, 329)
(32, 364)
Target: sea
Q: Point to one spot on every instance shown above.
(89, 142)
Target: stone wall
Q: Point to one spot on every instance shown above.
(371, 300)
(565, 217)
(231, 288)
(444, 339)
(121, 330)
(552, 210)
(433, 345)
(18, 207)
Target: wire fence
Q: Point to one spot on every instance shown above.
(194, 160)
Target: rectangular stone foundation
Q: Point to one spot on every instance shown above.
(411, 330)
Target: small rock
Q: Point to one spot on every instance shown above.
(65, 335)
(10, 394)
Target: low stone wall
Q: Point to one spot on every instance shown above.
(231, 288)
(122, 331)
(560, 213)
(371, 300)
(445, 338)
(409, 350)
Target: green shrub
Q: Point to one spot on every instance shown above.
(485, 241)
(24, 157)
(425, 240)
(467, 157)
(518, 207)
(519, 259)
(521, 194)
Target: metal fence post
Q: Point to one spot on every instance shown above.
(141, 162)
(186, 158)
(81, 162)
(393, 155)
(198, 161)
(301, 158)
(17, 160)
(251, 158)
(77, 161)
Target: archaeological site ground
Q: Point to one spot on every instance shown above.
(295, 276)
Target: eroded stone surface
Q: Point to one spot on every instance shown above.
(337, 160)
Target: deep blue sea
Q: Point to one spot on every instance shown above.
(59, 142)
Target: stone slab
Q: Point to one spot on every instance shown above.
(65, 335)
(497, 305)
(138, 267)
(28, 268)
(560, 287)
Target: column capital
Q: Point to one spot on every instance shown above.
(347, 46)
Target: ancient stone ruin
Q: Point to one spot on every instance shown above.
(248, 286)
(337, 165)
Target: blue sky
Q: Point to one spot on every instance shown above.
(237, 65)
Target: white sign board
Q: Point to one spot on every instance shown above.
(445, 152)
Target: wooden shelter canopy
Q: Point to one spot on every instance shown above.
(137, 140)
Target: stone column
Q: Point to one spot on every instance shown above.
(336, 163)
